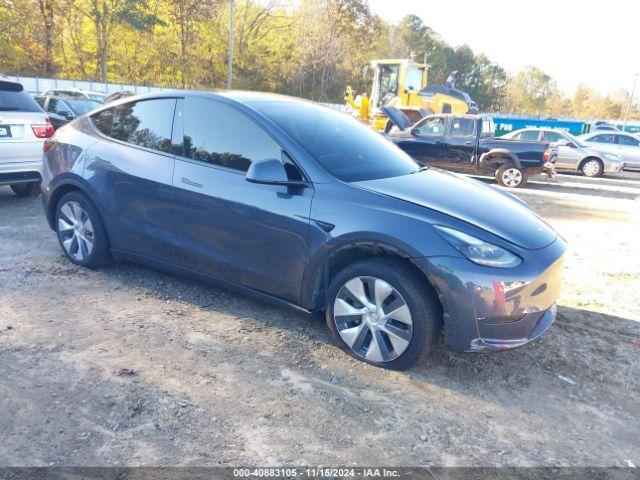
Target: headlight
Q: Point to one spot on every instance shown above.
(479, 251)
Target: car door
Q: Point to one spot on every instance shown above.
(427, 141)
(250, 234)
(131, 172)
(629, 149)
(568, 155)
(460, 143)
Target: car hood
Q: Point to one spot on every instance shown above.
(470, 201)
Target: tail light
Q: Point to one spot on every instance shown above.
(48, 144)
(549, 155)
(43, 131)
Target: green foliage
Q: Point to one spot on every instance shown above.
(313, 49)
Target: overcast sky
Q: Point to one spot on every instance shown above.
(592, 42)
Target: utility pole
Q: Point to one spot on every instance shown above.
(230, 64)
(633, 91)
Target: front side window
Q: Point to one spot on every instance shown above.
(345, 147)
(146, 123)
(628, 141)
(604, 138)
(553, 137)
(431, 126)
(221, 135)
(462, 127)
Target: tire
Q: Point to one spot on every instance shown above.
(592, 167)
(399, 345)
(508, 175)
(31, 189)
(81, 232)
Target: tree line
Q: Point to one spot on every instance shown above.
(312, 49)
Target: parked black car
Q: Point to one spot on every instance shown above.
(305, 206)
(62, 110)
(467, 143)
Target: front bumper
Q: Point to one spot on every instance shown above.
(613, 167)
(493, 309)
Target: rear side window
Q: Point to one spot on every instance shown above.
(462, 127)
(604, 138)
(103, 121)
(14, 99)
(57, 106)
(628, 141)
(146, 123)
(221, 135)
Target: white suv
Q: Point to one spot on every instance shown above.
(23, 129)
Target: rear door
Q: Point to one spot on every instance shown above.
(460, 143)
(427, 141)
(131, 172)
(250, 234)
(629, 148)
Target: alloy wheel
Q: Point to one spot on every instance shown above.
(591, 168)
(512, 177)
(76, 231)
(373, 319)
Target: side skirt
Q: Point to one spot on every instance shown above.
(157, 264)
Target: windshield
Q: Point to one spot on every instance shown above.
(98, 97)
(80, 107)
(346, 148)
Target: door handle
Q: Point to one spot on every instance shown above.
(186, 181)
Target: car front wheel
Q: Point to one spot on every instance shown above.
(381, 312)
(81, 232)
(592, 168)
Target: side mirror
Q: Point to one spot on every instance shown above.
(66, 114)
(270, 172)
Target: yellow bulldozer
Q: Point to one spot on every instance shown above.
(403, 84)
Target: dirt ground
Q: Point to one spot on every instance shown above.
(220, 379)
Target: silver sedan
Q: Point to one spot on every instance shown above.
(624, 144)
(573, 154)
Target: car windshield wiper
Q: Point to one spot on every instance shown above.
(8, 109)
(422, 169)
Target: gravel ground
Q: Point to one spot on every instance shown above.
(213, 378)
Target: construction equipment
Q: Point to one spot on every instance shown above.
(403, 84)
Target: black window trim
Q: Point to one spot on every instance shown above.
(133, 145)
(234, 170)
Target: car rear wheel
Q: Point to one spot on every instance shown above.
(382, 313)
(81, 232)
(30, 189)
(508, 175)
(592, 168)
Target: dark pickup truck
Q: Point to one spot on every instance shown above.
(466, 143)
